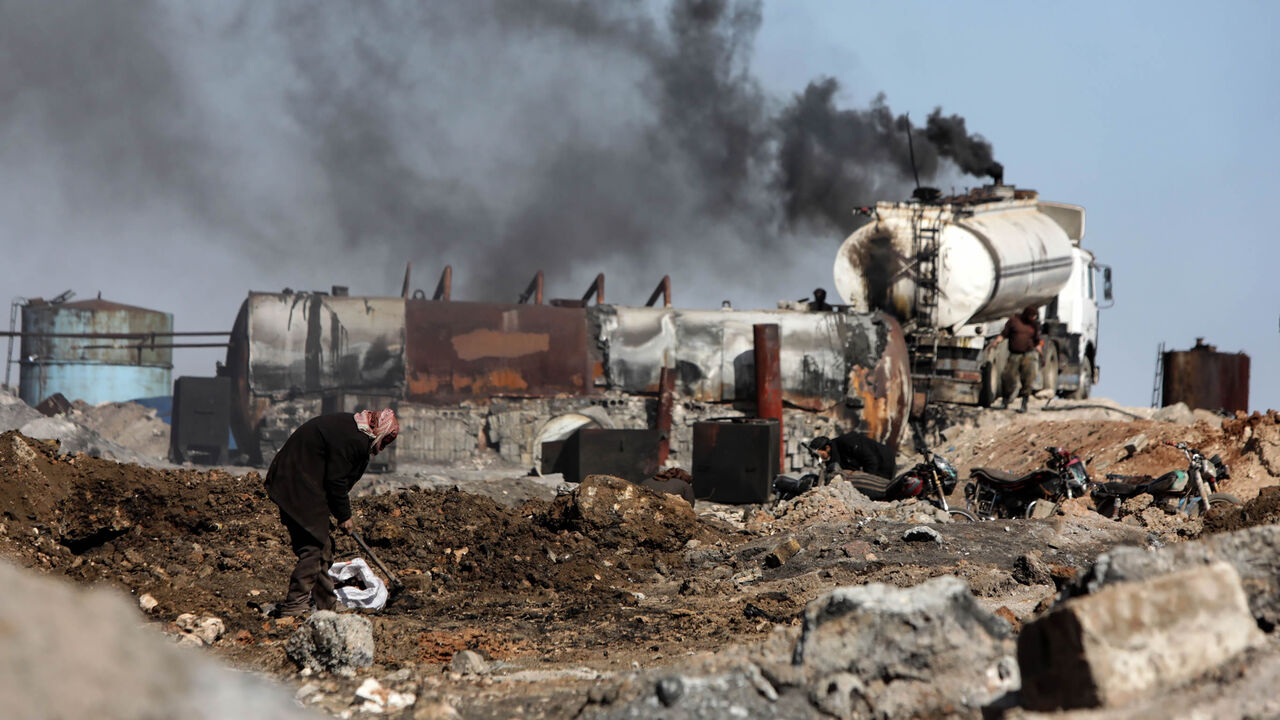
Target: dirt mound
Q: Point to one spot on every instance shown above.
(625, 515)
(1132, 447)
(212, 543)
(1261, 510)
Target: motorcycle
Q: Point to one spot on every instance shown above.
(933, 477)
(992, 494)
(1187, 491)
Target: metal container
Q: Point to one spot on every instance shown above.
(1204, 378)
(628, 454)
(94, 370)
(735, 460)
(201, 420)
(993, 259)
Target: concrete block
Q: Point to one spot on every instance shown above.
(1131, 639)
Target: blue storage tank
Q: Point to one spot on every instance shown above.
(71, 366)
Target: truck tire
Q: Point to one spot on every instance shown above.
(1086, 380)
(987, 389)
(1049, 370)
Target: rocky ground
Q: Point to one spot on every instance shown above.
(526, 597)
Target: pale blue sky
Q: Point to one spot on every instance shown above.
(1159, 117)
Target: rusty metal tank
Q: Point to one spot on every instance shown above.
(92, 369)
(1204, 378)
(850, 366)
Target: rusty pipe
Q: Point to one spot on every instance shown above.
(768, 355)
(666, 403)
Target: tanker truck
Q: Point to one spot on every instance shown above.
(953, 269)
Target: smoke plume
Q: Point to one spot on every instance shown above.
(501, 136)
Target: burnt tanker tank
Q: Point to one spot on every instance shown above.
(470, 377)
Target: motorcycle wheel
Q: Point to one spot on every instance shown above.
(1215, 500)
(958, 515)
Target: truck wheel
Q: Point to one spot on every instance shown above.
(1049, 370)
(989, 389)
(1086, 380)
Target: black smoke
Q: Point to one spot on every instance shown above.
(501, 136)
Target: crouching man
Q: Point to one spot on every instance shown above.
(309, 480)
(854, 452)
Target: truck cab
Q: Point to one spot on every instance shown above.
(1070, 323)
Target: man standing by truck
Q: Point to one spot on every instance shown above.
(309, 480)
(1025, 345)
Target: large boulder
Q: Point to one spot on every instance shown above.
(1253, 552)
(915, 651)
(332, 642)
(70, 652)
(1131, 639)
(865, 651)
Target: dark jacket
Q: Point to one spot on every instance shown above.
(855, 451)
(315, 470)
(1023, 336)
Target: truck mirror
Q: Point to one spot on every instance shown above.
(1106, 284)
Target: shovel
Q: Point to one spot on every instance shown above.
(394, 586)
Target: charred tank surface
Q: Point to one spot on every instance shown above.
(994, 256)
(452, 365)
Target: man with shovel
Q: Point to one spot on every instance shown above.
(309, 480)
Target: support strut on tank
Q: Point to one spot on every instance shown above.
(597, 289)
(534, 290)
(662, 291)
(444, 288)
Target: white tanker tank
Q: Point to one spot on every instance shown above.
(953, 270)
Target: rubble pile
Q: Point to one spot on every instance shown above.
(136, 427)
(841, 502)
(610, 600)
(130, 432)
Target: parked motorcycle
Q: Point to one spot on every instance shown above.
(992, 494)
(1187, 491)
(933, 478)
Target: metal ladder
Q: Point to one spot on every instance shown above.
(926, 231)
(925, 242)
(1156, 400)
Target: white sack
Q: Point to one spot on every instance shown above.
(372, 598)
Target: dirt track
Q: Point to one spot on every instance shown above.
(563, 597)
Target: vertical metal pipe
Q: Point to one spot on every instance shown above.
(768, 347)
(666, 401)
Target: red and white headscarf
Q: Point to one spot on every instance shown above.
(381, 427)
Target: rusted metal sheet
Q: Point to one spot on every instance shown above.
(1204, 378)
(884, 389)
(303, 343)
(465, 350)
(769, 381)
